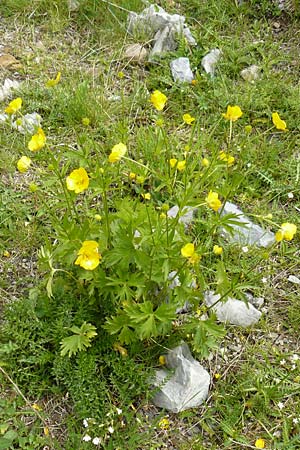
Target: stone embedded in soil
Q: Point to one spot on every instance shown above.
(6, 90)
(187, 214)
(28, 123)
(232, 311)
(8, 61)
(251, 73)
(181, 70)
(247, 233)
(160, 27)
(136, 52)
(187, 387)
(209, 62)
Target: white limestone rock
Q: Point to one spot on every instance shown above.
(161, 27)
(136, 52)
(6, 90)
(247, 233)
(186, 215)
(251, 73)
(181, 70)
(28, 123)
(209, 62)
(188, 386)
(232, 311)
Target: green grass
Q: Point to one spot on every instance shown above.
(257, 395)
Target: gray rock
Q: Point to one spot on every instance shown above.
(187, 387)
(249, 233)
(136, 52)
(7, 88)
(188, 213)
(232, 311)
(28, 123)
(251, 73)
(209, 61)
(161, 27)
(294, 279)
(181, 70)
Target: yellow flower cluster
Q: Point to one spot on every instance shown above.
(88, 256)
(226, 157)
(180, 165)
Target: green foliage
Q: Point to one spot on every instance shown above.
(80, 340)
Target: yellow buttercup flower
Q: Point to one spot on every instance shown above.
(194, 258)
(217, 250)
(181, 165)
(158, 100)
(233, 113)
(132, 176)
(173, 162)
(88, 256)
(78, 180)
(146, 196)
(213, 201)
(52, 83)
(188, 250)
(37, 141)
(85, 121)
(117, 152)
(286, 231)
(162, 360)
(278, 122)
(188, 119)
(14, 106)
(260, 443)
(205, 162)
(23, 164)
(164, 424)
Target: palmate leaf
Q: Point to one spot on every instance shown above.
(120, 324)
(80, 340)
(206, 334)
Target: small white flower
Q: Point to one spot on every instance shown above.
(110, 430)
(280, 405)
(290, 195)
(119, 411)
(264, 280)
(295, 357)
(85, 423)
(96, 441)
(277, 434)
(245, 249)
(86, 438)
(295, 420)
(293, 367)
(282, 362)
(249, 164)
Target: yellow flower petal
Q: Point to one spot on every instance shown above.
(181, 165)
(233, 113)
(158, 100)
(23, 164)
(188, 119)
(205, 162)
(286, 231)
(188, 250)
(173, 162)
(14, 106)
(217, 250)
(278, 122)
(88, 256)
(213, 201)
(260, 443)
(78, 180)
(52, 83)
(37, 141)
(117, 152)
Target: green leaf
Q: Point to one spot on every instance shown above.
(5, 443)
(80, 340)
